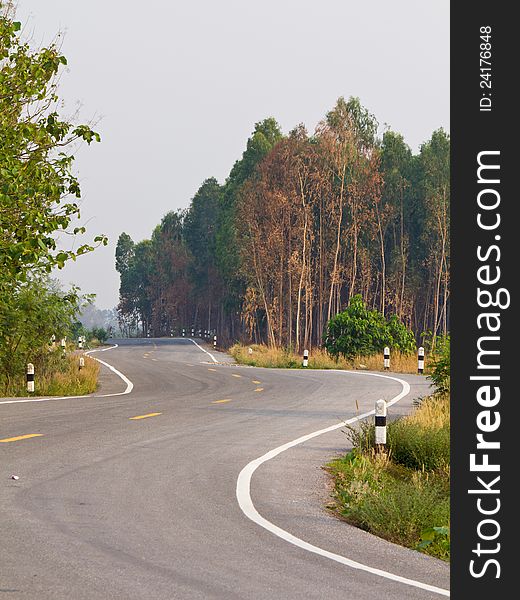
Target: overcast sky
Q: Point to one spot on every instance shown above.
(178, 86)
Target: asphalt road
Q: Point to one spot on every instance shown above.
(111, 507)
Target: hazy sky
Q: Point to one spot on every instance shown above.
(178, 86)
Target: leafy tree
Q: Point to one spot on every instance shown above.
(36, 175)
(125, 250)
(37, 311)
(434, 162)
(38, 201)
(265, 136)
(361, 331)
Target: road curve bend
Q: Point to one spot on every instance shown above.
(132, 492)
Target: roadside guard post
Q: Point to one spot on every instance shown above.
(386, 355)
(80, 342)
(30, 377)
(420, 360)
(183, 332)
(380, 423)
(81, 362)
(63, 344)
(305, 358)
(214, 341)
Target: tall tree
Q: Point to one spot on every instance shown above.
(200, 230)
(36, 174)
(435, 163)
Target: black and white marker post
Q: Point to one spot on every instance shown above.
(386, 357)
(305, 358)
(215, 342)
(420, 360)
(81, 362)
(30, 378)
(380, 423)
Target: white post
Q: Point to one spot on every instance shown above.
(63, 344)
(420, 360)
(380, 423)
(80, 342)
(305, 358)
(183, 332)
(214, 341)
(81, 362)
(30, 377)
(386, 355)
(250, 351)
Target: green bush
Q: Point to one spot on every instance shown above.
(440, 365)
(416, 447)
(30, 314)
(359, 331)
(100, 334)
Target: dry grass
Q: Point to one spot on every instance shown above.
(70, 380)
(265, 356)
(432, 413)
(59, 375)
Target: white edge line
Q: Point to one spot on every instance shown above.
(203, 349)
(129, 384)
(243, 494)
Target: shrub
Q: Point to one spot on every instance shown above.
(393, 502)
(100, 334)
(440, 365)
(359, 331)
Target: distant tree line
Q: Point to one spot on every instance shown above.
(301, 225)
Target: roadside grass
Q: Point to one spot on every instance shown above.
(59, 376)
(265, 356)
(403, 494)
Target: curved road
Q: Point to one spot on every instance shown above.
(112, 507)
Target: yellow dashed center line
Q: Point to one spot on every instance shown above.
(20, 437)
(144, 416)
(235, 375)
(221, 401)
(255, 381)
(212, 370)
(259, 390)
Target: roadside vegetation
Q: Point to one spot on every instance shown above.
(39, 203)
(59, 375)
(263, 356)
(402, 494)
(354, 339)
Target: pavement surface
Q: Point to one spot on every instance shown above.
(107, 506)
